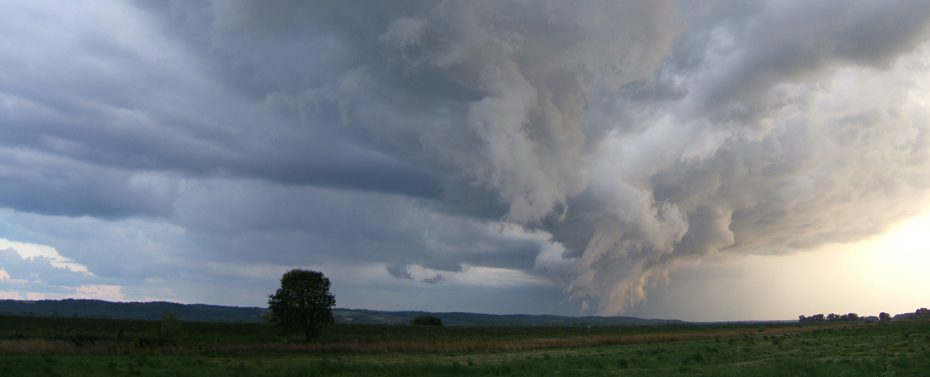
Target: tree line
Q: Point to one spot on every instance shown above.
(922, 313)
(851, 317)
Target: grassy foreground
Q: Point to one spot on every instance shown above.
(79, 347)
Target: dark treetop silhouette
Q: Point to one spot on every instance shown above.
(303, 302)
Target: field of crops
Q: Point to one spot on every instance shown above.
(36, 346)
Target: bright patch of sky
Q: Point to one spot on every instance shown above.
(31, 250)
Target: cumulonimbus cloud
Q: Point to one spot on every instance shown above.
(637, 147)
(638, 134)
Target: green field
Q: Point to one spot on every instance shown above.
(42, 346)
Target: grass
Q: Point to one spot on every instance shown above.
(50, 347)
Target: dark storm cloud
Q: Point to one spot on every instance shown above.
(296, 225)
(129, 102)
(759, 155)
(49, 185)
(416, 80)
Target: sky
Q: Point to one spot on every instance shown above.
(699, 160)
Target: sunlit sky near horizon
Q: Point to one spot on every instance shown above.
(704, 161)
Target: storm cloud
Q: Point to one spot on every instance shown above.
(593, 145)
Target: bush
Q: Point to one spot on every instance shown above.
(426, 320)
(170, 331)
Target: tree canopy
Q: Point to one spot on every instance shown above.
(832, 317)
(884, 317)
(302, 303)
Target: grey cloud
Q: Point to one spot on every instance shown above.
(235, 222)
(448, 297)
(752, 161)
(298, 225)
(50, 185)
(795, 42)
(434, 280)
(400, 271)
(150, 103)
(429, 97)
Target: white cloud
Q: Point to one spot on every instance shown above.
(30, 250)
(98, 292)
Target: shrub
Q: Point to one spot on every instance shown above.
(170, 331)
(426, 320)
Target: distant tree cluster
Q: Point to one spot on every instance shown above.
(851, 317)
(922, 313)
(813, 318)
(426, 320)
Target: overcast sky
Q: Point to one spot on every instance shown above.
(702, 160)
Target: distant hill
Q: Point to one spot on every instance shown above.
(477, 319)
(216, 313)
(130, 310)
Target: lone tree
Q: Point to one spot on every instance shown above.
(303, 302)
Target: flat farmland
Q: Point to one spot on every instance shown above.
(41, 346)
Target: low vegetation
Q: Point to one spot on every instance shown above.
(87, 347)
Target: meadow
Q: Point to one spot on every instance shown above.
(44, 346)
